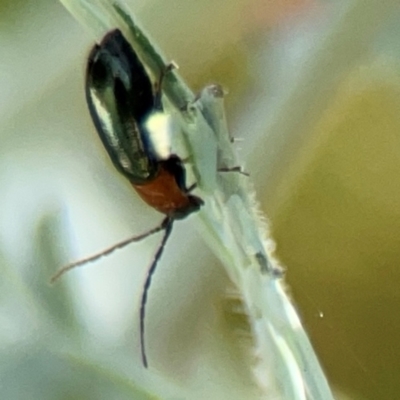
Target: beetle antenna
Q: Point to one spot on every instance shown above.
(163, 226)
(168, 222)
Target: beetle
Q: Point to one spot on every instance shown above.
(122, 101)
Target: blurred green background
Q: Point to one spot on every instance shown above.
(325, 160)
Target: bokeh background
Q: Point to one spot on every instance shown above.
(314, 94)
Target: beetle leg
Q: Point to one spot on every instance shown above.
(158, 92)
(191, 188)
(234, 169)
